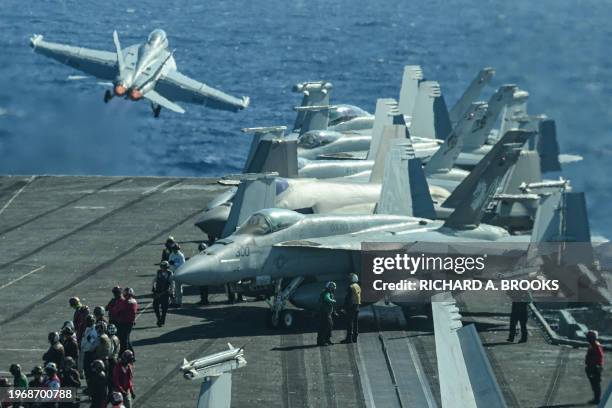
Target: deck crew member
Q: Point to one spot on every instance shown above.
(127, 312)
(177, 258)
(593, 365)
(162, 288)
(98, 385)
(55, 353)
(352, 301)
(123, 378)
(112, 305)
(327, 304)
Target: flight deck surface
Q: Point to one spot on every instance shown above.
(66, 236)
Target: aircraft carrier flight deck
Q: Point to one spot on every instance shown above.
(69, 236)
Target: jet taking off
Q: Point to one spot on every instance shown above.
(141, 71)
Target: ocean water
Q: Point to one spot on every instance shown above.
(55, 123)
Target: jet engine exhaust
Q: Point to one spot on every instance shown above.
(120, 90)
(135, 94)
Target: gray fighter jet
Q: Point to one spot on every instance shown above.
(257, 250)
(326, 130)
(141, 71)
(350, 195)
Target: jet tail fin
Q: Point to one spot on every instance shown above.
(471, 94)
(255, 192)
(270, 152)
(404, 189)
(413, 74)
(562, 218)
(478, 136)
(383, 140)
(526, 170)
(315, 94)
(382, 118)
(465, 373)
(515, 111)
(444, 158)
(120, 60)
(473, 194)
(547, 146)
(430, 116)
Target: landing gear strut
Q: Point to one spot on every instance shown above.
(108, 95)
(156, 110)
(279, 316)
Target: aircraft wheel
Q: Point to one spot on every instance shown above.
(156, 111)
(107, 96)
(287, 319)
(271, 323)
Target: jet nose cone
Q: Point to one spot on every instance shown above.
(197, 271)
(212, 221)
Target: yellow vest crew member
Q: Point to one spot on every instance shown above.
(352, 301)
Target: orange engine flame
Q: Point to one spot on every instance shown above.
(135, 94)
(120, 90)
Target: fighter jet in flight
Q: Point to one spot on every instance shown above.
(141, 71)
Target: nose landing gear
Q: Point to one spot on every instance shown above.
(108, 95)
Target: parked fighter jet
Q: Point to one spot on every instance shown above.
(252, 251)
(325, 130)
(141, 71)
(350, 196)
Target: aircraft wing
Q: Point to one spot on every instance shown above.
(178, 87)
(101, 64)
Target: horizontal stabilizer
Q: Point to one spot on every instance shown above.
(157, 99)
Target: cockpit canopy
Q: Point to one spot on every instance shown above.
(269, 220)
(317, 138)
(157, 38)
(344, 113)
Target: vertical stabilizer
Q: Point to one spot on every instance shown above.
(430, 116)
(314, 94)
(444, 158)
(515, 111)
(413, 74)
(547, 146)
(270, 152)
(382, 117)
(473, 194)
(471, 94)
(404, 189)
(255, 192)
(390, 132)
(478, 136)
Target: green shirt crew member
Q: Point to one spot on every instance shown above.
(327, 304)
